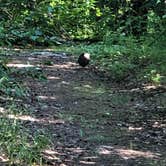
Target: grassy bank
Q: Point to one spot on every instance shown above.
(125, 58)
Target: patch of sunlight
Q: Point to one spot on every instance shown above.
(158, 125)
(2, 110)
(134, 128)
(3, 158)
(9, 49)
(90, 89)
(87, 86)
(149, 87)
(50, 152)
(32, 119)
(31, 58)
(90, 157)
(53, 78)
(50, 155)
(53, 155)
(129, 90)
(65, 83)
(76, 150)
(126, 153)
(87, 162)
(46, 97)
(19, 65)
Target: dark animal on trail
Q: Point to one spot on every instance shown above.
(84, 59)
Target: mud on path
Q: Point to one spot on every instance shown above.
(91, 121)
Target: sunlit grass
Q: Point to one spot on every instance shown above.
(18, 145)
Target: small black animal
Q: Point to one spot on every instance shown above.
(84, 59)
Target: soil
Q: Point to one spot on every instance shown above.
(90, 119)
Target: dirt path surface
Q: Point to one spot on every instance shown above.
(91, 121)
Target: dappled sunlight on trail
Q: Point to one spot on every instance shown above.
(29, 118)
(37, 120)
(20, 65)
(90, 121)
(126, 153)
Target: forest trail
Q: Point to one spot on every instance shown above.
(91, 121)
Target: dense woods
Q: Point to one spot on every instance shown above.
(115, 99)
(43, 22)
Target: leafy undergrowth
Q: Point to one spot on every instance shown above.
(127, 58)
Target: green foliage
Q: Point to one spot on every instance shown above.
(8, 86)
(3, 65)
(128, 57)
(17, 143)
(130, 32)
(46, 22)
(11, 88)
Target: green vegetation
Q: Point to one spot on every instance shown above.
(16, 142)
(125, 37)
(126, 40)
(18, 145)
(129, 58)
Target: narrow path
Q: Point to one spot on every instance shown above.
(91, 121)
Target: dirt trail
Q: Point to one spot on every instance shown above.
(92, 121)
